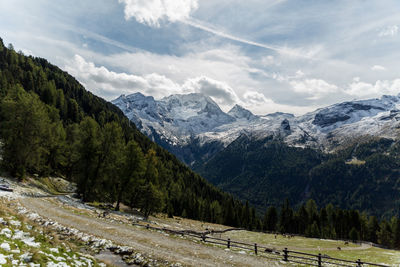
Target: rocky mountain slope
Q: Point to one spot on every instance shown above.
(194, 127)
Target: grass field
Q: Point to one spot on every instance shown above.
(314, 246)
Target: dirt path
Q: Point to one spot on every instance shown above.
(157, 244)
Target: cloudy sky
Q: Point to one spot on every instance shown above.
(266, 55)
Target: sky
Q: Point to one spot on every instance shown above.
(265, 55)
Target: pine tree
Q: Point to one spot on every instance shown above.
(385, 234)
(303, 220)
(132, 171)
(312, 210)
(111, 159)
(151, 200)
(354, 235)
(71, 151)
(151, 174)
(314, 230)
(396, 233)
(246, 215)
(373, 229)
(286, 218)
(270, 219)
(89, 149)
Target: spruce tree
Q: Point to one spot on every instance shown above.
(270, 219)
(131, 173)
(89, 149)
(396, 233)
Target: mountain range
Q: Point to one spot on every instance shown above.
(345, 153)
(194, 127)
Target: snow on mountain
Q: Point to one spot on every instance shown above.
(239, 112)
(178, 119)
(175, 118)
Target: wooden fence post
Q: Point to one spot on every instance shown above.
(255, 248)
(285, 254)
(147, 226)
(359, 263)
(319, 260)
(229, 243)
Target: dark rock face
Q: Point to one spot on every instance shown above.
(285, 127)
(393, 114)
(325, 120)
(341, 112)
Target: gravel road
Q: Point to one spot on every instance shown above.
(158, 245)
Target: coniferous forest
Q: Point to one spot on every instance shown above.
(51, 126)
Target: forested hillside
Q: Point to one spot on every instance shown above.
(50, 125)
(364, 176)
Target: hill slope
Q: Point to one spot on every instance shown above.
(52, 126)
(265, 171)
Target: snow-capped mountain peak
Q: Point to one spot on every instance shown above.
(180, 120)
(239, 112)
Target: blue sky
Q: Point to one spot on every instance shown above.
(266, 55)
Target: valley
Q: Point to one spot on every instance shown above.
(266, 159)
(69, 219)
(172, 133)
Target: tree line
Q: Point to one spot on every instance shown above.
(332, 222)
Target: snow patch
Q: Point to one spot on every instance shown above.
(5, 246)
(6, 232)
(3, 259)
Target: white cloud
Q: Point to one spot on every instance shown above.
(389, 31)
(221, 92)
(151, 12)
(299, 74)
(255, 98)
(268, 60)
(260, 104)
(109, 84)
(378, 68)
(226, 64)
(315, 88)
(363, 89)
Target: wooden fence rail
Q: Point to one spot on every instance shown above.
(267, 252)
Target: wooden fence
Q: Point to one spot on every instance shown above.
(267, 252)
